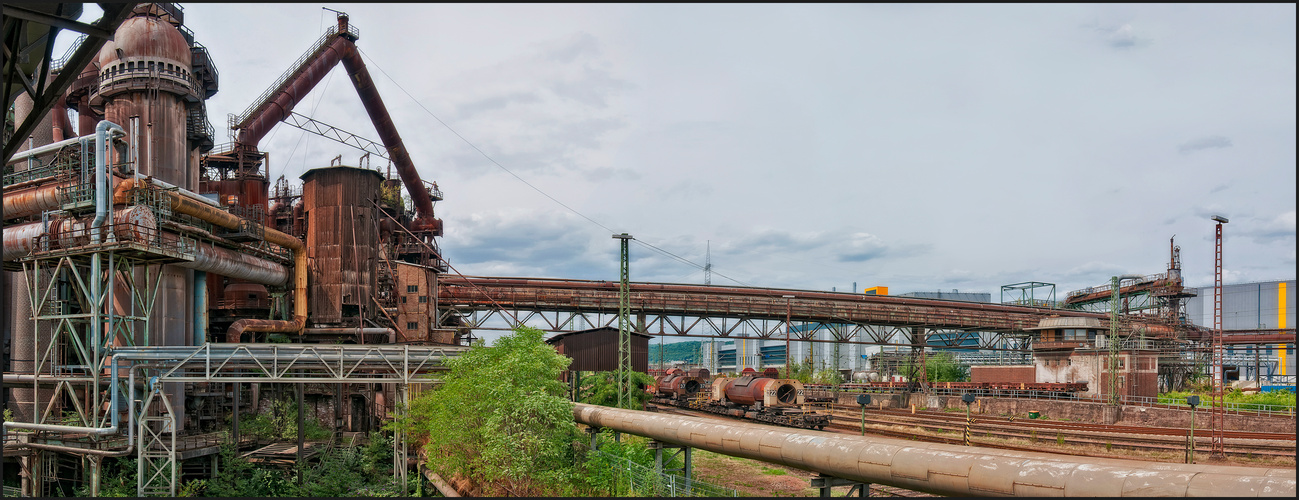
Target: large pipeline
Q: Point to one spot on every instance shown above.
(941, 468)
(34, 200)
(201, 210)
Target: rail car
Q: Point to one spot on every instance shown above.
(1005, 389)
(753, 396)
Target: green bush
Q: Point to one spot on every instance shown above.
(1255, 401)
(601, 388)
(500, 419)
(281, 424)
(942, 367)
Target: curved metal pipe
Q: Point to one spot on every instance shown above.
(230, 263)
(941, 468)
(101, 175)
(201, 211)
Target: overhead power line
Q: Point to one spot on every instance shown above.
(529, 184)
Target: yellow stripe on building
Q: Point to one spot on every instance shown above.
(1280, 322)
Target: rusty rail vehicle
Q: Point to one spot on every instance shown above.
(752, 396)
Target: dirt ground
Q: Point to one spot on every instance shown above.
(754, 478)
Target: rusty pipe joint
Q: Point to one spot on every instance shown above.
(234, 334)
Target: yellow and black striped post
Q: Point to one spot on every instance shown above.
(967, 398)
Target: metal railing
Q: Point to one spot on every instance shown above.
(1149, 278)
(58, 64)
(293, 69)
(1250, 409)
(638, 480)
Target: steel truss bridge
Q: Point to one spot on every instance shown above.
(661, 309)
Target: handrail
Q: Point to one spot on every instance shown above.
(297, 65)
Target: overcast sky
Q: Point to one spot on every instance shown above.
(921, 147)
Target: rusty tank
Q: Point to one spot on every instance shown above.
(680, 384)
(752, 389)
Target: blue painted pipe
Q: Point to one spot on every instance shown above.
(200, 307)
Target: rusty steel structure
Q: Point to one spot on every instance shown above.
(159, 281)
(134, 245)
(941, 468)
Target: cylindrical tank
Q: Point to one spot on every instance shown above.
(677, 382)
(751, 386)
(342, 240)
(145, 72)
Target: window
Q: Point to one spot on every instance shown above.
(423, 299)
(1121, 363)
(403, 300)
(411, 325)
(412, 288)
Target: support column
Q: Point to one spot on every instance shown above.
(826, 483)
(686, 469)
(399, 443)
(301, 434)
(96, 464)
(234, 419)
(595, 433)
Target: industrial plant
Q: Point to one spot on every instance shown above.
(159, 288)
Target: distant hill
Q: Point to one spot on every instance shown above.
(680, 351)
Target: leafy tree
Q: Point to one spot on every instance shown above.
(281, 423)
(601, 388)
(828, 377)
(500, 418)
(942, 367)
(801, 372)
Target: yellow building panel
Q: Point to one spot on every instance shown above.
(1280, 321)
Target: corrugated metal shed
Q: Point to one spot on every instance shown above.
(596, 350)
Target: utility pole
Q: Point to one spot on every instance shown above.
(1115, 343)
(1218, 416)
(708, 263)
(788, 330)
(624, 325)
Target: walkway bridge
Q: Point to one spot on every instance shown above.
(560, 305)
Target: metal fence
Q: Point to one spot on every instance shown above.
(1252, 409)
(640, 481)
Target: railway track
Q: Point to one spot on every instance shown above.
(1065, 438)
(1064, 435)
(1070, 426)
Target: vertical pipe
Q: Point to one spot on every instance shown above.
(200, 308)
(102, 188)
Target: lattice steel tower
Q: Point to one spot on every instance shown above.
(1218, 418)
(624, 325)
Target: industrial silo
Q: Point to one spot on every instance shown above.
(342, 243)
